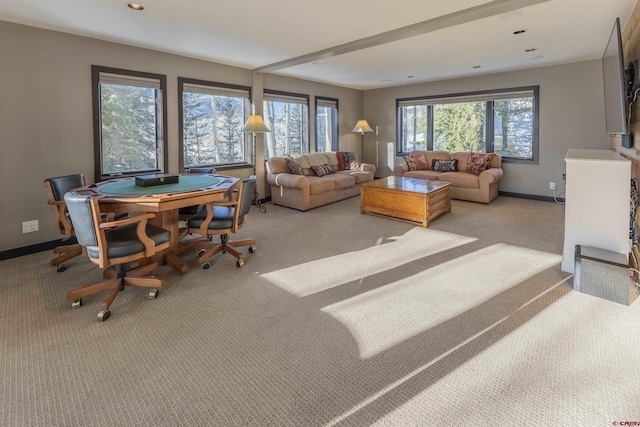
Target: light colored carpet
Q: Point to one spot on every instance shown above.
(337, 319)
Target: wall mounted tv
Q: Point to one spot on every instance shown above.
(617, 88)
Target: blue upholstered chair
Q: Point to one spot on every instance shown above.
(113, 245)
(222, 218)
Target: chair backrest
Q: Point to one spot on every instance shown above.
(83, 213)
(61, 185)
(55, 189)
(245, 199)
(202, 170)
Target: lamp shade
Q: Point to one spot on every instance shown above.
(362, 126)
(255, 124)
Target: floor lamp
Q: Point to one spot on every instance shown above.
(362, 126)
(255, 124)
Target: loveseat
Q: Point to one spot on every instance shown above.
(308, 190)
(481, 185)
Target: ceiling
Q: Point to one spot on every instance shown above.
(362, 44)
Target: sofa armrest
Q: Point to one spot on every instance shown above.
(400, 168)
(367, 167)
(288, 180)
(491, 175)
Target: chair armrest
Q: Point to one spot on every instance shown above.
(127, 220)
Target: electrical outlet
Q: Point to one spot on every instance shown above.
(552, 185)
(30, 226)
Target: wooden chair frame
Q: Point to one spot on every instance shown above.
(116, 269)
(209, 249)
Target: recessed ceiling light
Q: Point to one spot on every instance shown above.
(531, 50)
(477, 66)
(519, 32)
(135, 6)
(410, 77)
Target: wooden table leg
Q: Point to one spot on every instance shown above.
(169, 221)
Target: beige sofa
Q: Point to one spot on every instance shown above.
(481, 188)
(304, 192)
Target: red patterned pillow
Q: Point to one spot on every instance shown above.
(342, 163)
(322, 170)
(479, 162)
(421, 161)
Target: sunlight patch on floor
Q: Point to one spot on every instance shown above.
(387, 316)
(316, 276)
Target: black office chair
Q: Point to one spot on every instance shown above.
(222, 218)
(114, 245)
(55, 189)
(188, 211)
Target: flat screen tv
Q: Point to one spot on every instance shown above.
(615, 87)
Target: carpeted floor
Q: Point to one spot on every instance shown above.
(337, 319)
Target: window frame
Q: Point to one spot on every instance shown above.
(247, 143)
(335, 132)
(489, 124)
(276, 93)
(161, 121)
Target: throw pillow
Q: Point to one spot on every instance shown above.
(444, 165)
(342, 164)
(411, 164)
(354, 166)
(421, 161)
(349, 158)
(293, 166)
(322, 170)
(479, 162)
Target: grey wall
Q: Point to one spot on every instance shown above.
(571, 116)
(46, 123)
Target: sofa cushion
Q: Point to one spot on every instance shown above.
(351, 161)
(294, 166)
(359, 176)
(411, 163)
(278, 165)
(461, 179)
(322, 170)
(318, 185)
(343, 181)
(479, 162)
(420, 160)
(445, 165)
(423, 174)
(342, 165)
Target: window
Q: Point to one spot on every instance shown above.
(502, 121)
(326, 124)
(211, 116)
(287, 115)
(129, 122)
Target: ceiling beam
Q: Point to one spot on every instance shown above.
(482, 11)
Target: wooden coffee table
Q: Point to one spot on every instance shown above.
(410, 199)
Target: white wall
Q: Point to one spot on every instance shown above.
(571, 116)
